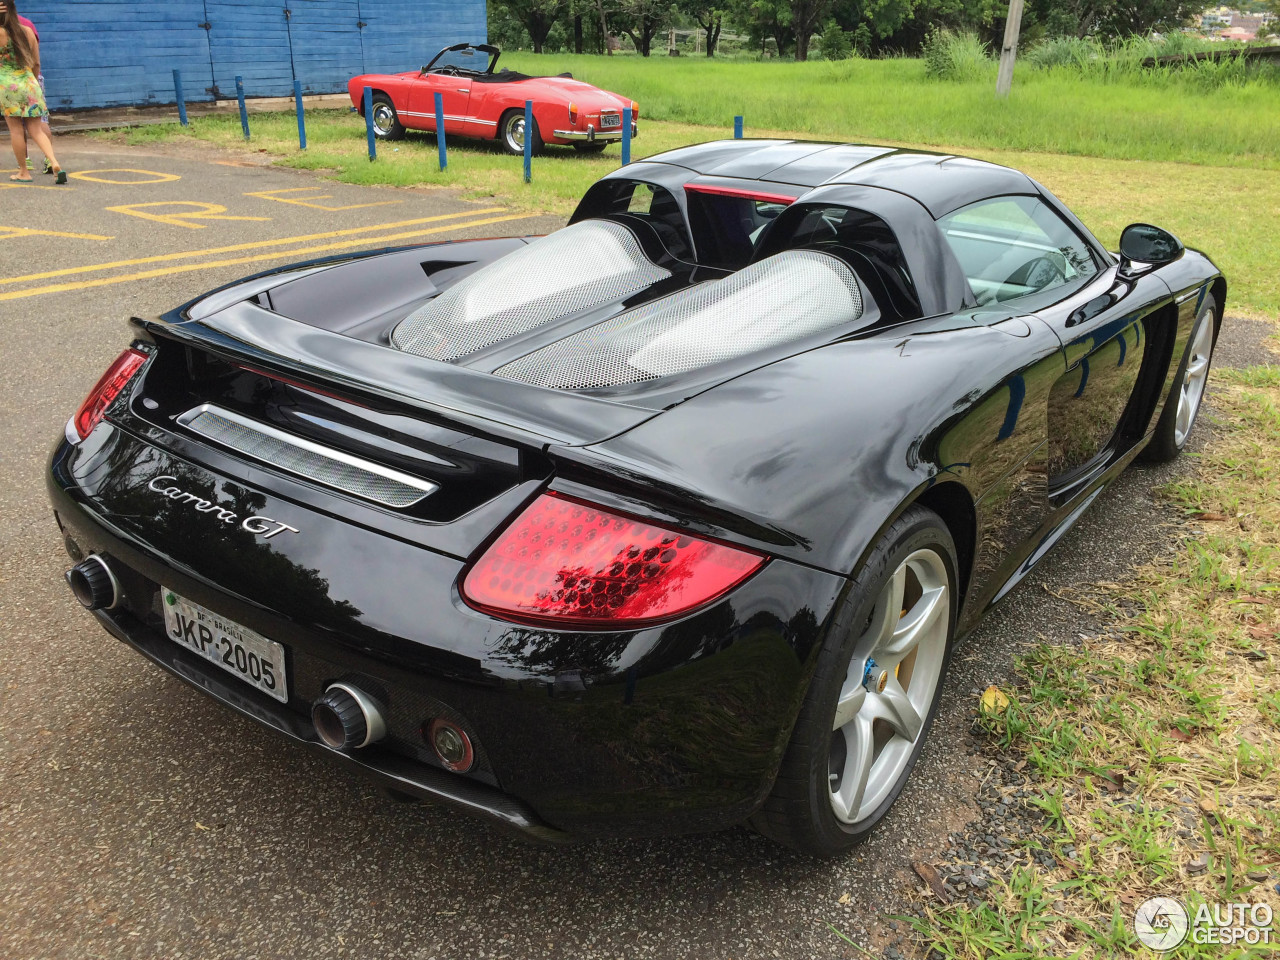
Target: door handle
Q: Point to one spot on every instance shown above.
(1097, 305)
(464, 89)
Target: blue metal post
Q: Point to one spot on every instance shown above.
(244, 112)
(368, 123)
(182, 101)
(737, 128)
(444, 159)
(528, 141)
(302, 122)
(626, 136)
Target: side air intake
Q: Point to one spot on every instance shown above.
(583, 266)
(783, 298)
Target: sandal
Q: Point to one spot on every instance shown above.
(17, 178)
(60, 177)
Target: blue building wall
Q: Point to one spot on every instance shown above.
(98, 53)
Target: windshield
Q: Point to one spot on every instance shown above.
(469, 60)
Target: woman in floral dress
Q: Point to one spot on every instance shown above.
(21, 101)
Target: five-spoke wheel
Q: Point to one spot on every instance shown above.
(889, 687)
(873, 694)
(1183, 404)
(1193, 381)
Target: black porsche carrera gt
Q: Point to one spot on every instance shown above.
(663, 522)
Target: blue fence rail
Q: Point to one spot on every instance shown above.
(102, 53)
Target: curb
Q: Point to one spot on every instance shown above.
(111, 118)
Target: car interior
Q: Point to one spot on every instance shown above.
(1011, 247)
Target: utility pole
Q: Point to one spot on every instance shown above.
(1009, 52)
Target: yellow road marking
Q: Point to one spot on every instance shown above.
(253, 245)
(206, 211)
(28, 185)
(307, 201)
(7, 233)
(155, 177)
(189, 267)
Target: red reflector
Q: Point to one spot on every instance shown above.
(567, 562)
(106, 390)
(758, 195)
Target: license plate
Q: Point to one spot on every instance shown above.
(253, 658)
(610, 120)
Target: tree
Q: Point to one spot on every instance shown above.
(1110, 18)
(536, 16)
(763, 20)
(835, 42)
(805, 17)
(604, 28)
(641, 20)
(708, 15)
(1141, 17)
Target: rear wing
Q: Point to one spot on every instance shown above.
(247, 333)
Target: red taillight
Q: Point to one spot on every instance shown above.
(106, 390)
(573, 112)
(566, 562)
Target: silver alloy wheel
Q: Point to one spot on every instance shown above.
(1194, 380)
(889, 688)
(384, 119)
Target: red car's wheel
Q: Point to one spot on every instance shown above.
(511, 133)
(386, 122)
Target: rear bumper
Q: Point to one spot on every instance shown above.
(592, 135)
(673, 729)
(384, 768)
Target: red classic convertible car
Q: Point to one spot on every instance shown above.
(490, 105)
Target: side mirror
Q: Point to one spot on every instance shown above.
(1143, 247)
(424, 68)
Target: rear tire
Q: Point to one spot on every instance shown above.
(1183, 404)
(873, 694)
(590, 146)
(511, 133)
(386, 122)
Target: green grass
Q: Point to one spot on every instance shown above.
(1179, 702)
(1052, 111)
(1230, 213)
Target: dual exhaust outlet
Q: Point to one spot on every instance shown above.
(345, 717)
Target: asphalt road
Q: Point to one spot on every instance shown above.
(138, 819)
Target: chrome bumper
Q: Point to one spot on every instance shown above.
(592, 135)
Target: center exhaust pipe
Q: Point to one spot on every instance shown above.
(347, 718)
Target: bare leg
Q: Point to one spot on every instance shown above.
(44, 125)
(18, 140)
(37, 132)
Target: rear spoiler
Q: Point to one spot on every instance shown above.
(507, 409)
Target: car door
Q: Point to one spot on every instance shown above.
(1018, 252)
(455, 91)
(1113, 332)
(451, 76)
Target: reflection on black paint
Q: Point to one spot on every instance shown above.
(225, 553)
(1086, 405)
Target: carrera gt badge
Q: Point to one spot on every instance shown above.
(264, 527)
